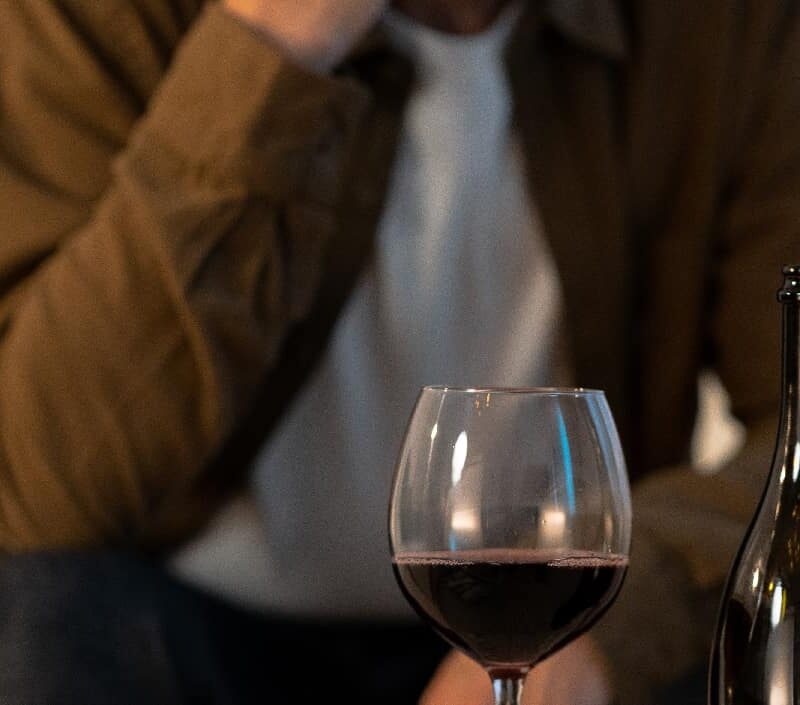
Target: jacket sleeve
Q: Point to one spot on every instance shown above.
(687, 527)
(166, 203)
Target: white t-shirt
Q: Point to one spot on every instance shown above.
(462, 291)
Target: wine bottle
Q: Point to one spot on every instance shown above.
(755, 659)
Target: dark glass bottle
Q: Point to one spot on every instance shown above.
(755, 659)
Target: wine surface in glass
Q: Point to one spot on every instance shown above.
(510, 608)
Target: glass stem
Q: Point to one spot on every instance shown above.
(507, 691)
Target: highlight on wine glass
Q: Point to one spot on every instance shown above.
(510, 521)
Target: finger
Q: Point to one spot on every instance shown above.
(458, 681)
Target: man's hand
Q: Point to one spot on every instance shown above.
(317, 33)
(576, 675)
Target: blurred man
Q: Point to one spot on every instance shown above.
(237, 238)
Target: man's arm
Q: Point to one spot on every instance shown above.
(162, 230)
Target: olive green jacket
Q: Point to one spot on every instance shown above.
(183, 212)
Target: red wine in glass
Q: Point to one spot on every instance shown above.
(510, 608)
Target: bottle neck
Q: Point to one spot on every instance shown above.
(789, 440)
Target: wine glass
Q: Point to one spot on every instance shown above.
(510, 521)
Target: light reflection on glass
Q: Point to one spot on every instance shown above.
(569, 480)
(778, 694)
(553, 526)
(608, 525)
(464, 520)
(780, 656)
(459, 457)
(778, 604)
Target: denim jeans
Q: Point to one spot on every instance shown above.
(113, 629)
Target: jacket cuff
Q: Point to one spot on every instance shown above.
(238, 110)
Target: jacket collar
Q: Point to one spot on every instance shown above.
(596, 25)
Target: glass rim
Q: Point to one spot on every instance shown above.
(531, 391)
